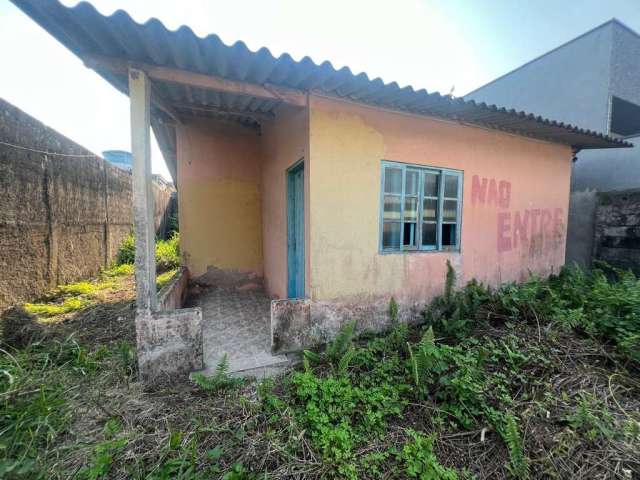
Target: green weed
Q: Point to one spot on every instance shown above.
(421, 461)
(220, 380)
(127, 251)
(168, 253)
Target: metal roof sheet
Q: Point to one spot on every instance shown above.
(85, 31)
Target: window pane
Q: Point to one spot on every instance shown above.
(429, 208)
(625, 117)
(449, 210)
(411, 187)
(409, 239)
(392, 180)
(448, 234)
(391, 235)
(410, 209)
(429, 234)
(431, 182)
(392, 207)
(451, 186)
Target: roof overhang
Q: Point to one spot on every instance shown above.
(202, 77)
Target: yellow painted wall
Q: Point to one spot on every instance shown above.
(284, 142)
(219, 177)
(348, 143)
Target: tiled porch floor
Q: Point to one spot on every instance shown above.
(238, 323)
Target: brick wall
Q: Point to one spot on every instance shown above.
(617, 229)
(61, 218)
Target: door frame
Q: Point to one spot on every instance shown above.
(295, 286)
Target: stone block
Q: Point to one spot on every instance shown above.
(169, 344)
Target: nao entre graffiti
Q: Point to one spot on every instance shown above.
(529, 228)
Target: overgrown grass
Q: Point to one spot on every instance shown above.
(527, 391)
(78, 296)
(167, 252)
(38, 386)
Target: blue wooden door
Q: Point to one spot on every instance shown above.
(295, 230)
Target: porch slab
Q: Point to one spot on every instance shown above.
(238, 323)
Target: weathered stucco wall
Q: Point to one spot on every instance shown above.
(284, 142)
(219, 170)
(502, 238)
(62, 218)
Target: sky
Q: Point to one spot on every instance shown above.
(439, 45)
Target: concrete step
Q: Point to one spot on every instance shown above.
(259, 365)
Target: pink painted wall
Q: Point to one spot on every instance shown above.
(284, 142)
(219, 195)
(513, 221)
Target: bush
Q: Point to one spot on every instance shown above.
(127, 251)
(167, 252)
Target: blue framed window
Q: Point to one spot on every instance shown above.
(420, 208)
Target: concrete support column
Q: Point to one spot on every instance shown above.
(143, 207)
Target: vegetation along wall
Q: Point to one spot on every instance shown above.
(62, 217)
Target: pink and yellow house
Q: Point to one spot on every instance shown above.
(328, 191)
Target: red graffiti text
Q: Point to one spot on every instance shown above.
(490, 192)
(522, 227)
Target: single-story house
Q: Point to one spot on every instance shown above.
(330, 191)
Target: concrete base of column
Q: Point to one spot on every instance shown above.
(169, 344)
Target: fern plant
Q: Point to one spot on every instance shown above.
(425, 359)
(393, 311)
(507, 426)
(220, 380)
(453, 315)
(338, 353)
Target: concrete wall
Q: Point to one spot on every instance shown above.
(581, 228)
(617, 229)
(284, 142)
(62, 218)
(348, 143)
(219, 170)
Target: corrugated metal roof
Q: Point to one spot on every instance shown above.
(85, 31)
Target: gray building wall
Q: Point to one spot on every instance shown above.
(574, 84)
(618, 169)
(569, 84)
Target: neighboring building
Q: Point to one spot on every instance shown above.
(335, 191)
(119, 158)
(593, 82)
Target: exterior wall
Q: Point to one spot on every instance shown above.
(284, 142)
(348, 143)
(62, 217)
(568, 84)
(574, 84)
(581, 227)
(219, 171)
